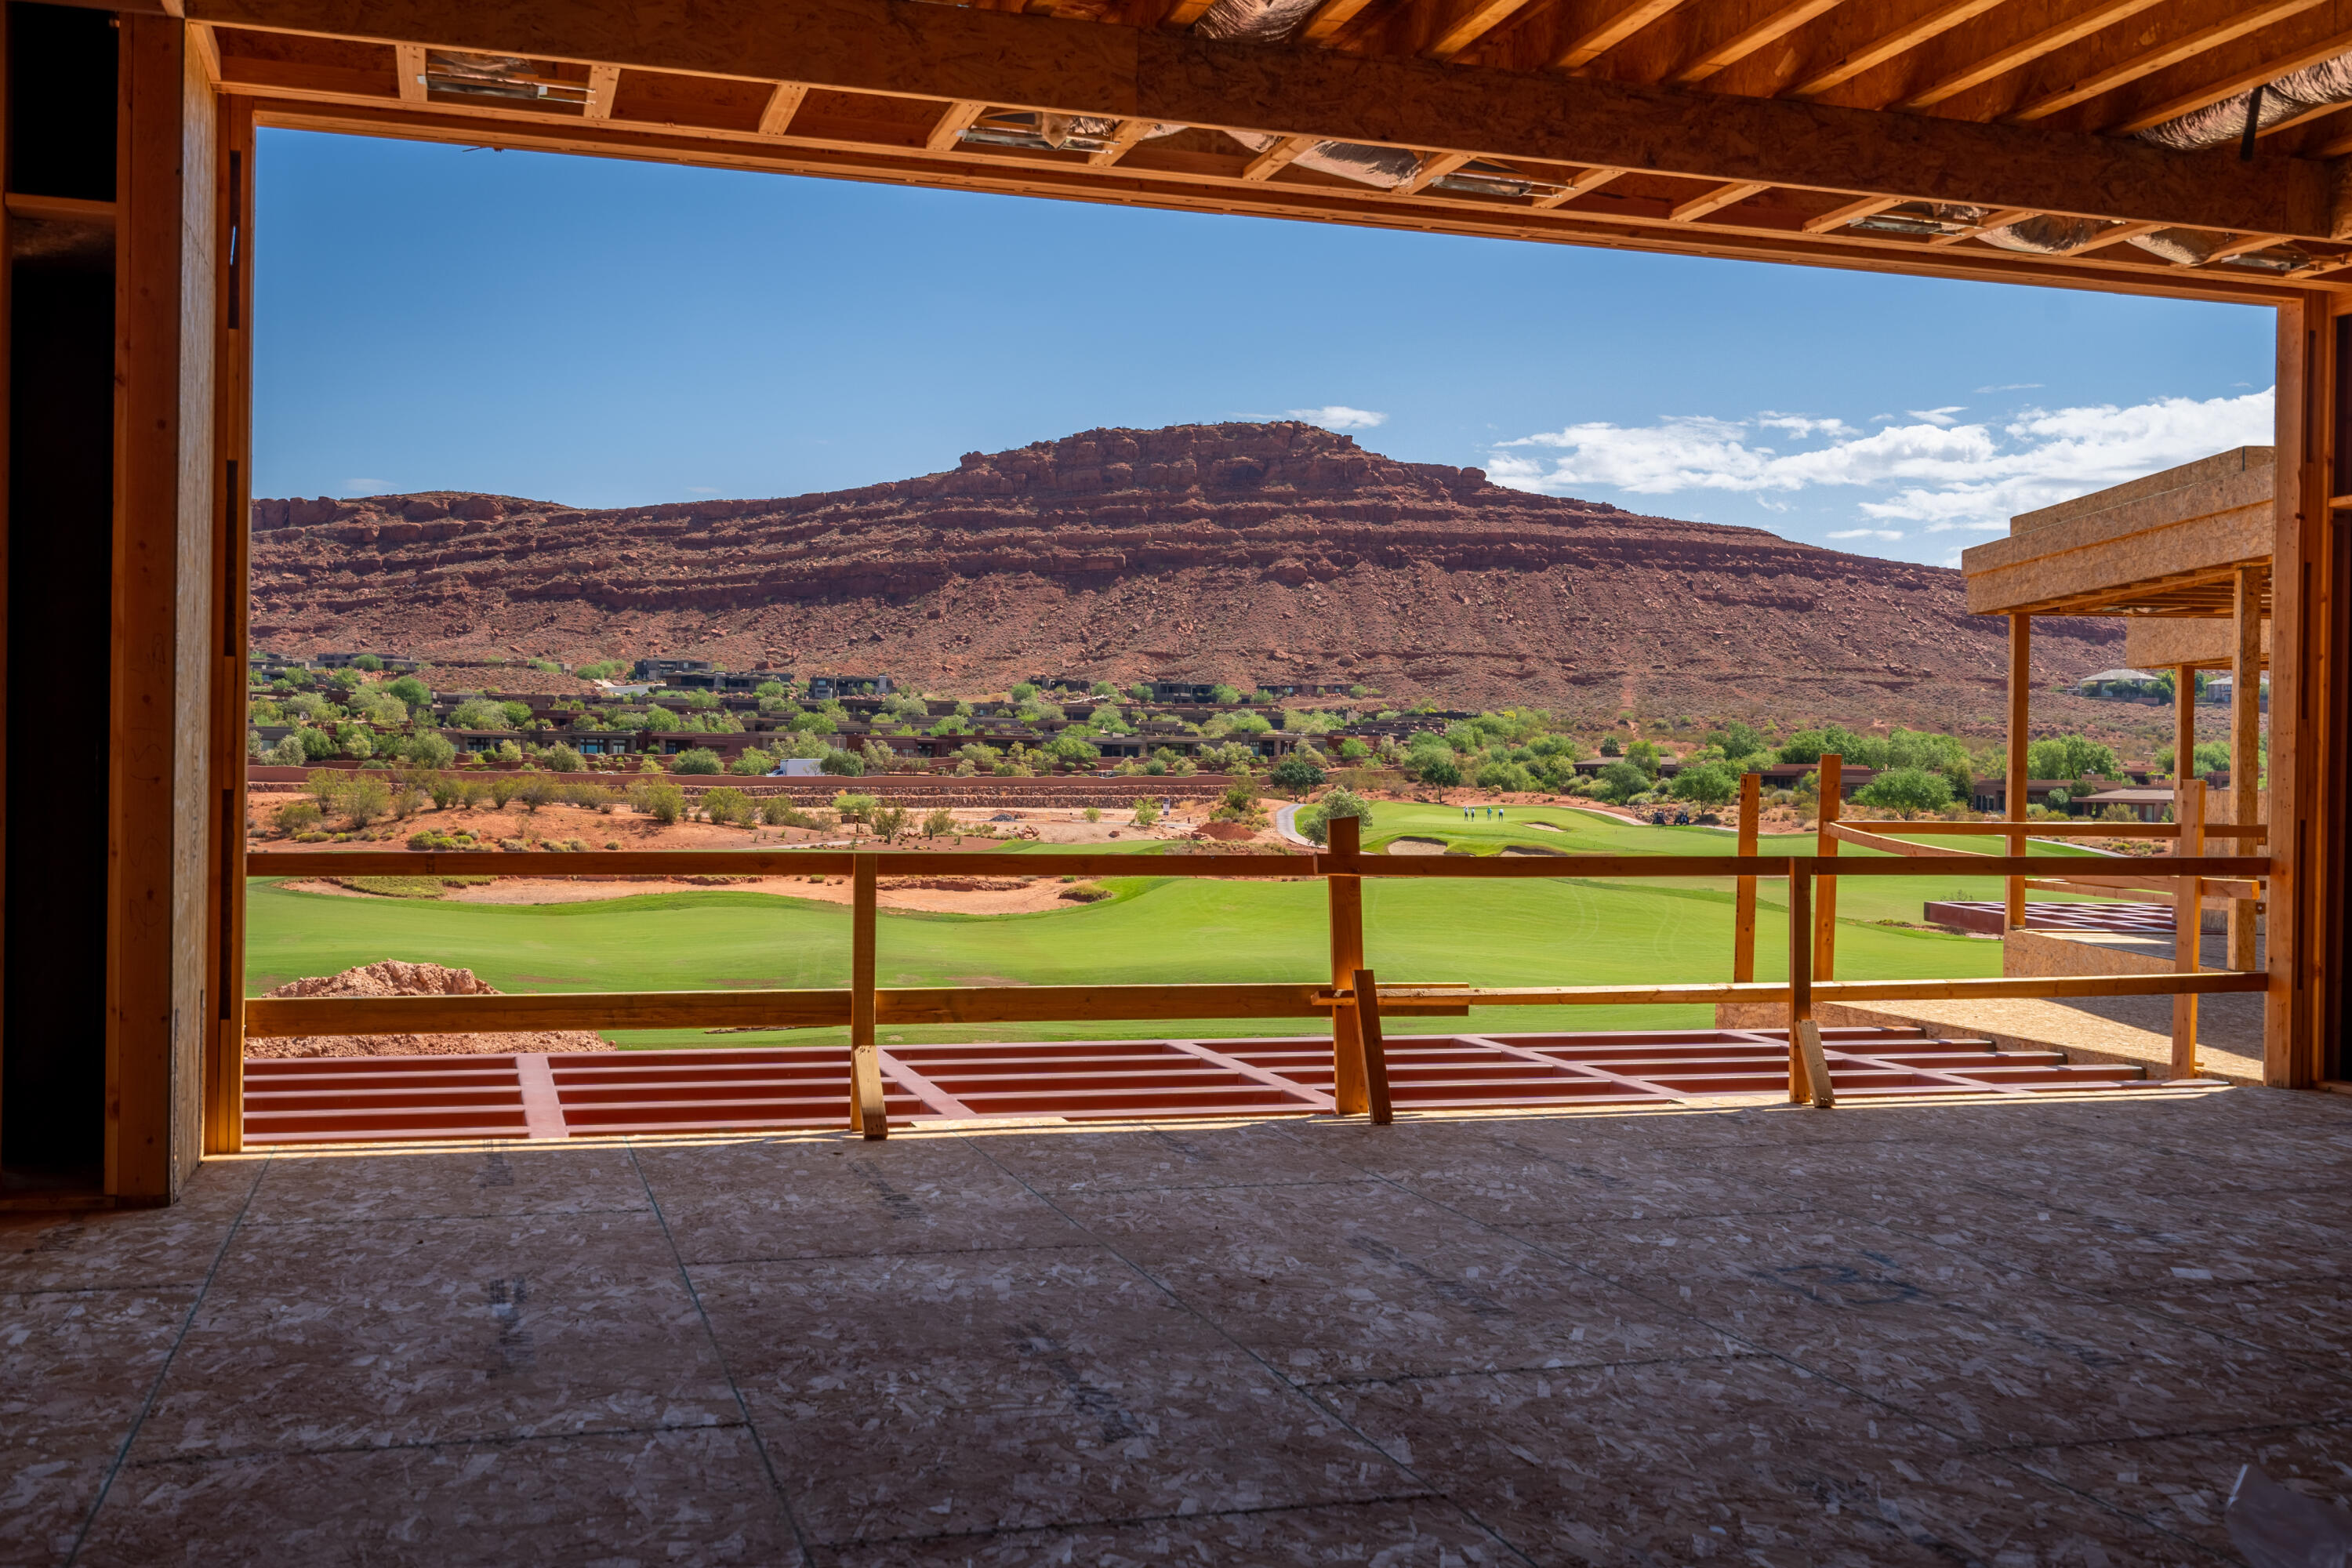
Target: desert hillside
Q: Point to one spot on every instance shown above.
(1248, 553)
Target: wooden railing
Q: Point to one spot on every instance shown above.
(1354, 999)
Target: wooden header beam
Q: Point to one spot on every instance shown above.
(950, 53)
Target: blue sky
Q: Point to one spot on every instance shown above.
(608, 333)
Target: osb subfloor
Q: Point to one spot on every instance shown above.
(2026, 1332)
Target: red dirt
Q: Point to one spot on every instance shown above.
(1239, 553)
(391, 977)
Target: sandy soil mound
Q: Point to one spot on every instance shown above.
(391, 977)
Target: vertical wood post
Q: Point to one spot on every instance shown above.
(232, 467)
(1743, 889)
(1800, 975)
(2245, 747)
(2303, 1009)
(1351, 1084)
(2188, 923)
(1833, 791)
(160, 813)
(2184, 722)
(2021, 736)
(1368, 1028)
(867, 1112)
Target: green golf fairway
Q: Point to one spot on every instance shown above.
(1552, 931)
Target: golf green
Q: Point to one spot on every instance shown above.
(1554, 931)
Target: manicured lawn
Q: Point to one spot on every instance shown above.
(1562, 931)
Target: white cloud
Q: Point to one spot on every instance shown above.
(367, 487)
(1339, 416)
(2021, 386)
(1800, 425)
(1938, 416)
(1941, 477)
(1864, 533)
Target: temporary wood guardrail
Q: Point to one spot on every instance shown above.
(1354, 998)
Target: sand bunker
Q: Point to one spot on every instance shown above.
(391, 977)
(1416, 846)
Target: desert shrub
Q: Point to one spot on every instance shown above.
(1147, 812)
(940, 823)
(727, 804)
(1433, 767)
(395, 887)
(778, 811)
(1620, 781)
(1092, 813)
(694, 760)
(472, 793)
(665, 803)
(890, 822)
(854, 808)
(1296, 772)
(841, 764)
(536, 789)
(433, 838)
(753, 764)
(1353, 750)
(363, 798)
(296, 816)
(562, 759)
(444, 791)
(1072, 752)
(428, 749)
(2118, 812)
(586, 793)
(1610, 747)
(1498, 775)
(1085, 892)
(479, 713)
(877, 758)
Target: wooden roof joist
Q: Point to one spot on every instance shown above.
(1147, 176)
(952, 54)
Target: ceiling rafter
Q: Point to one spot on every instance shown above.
(2001, 219)
(1124, 137)
(1482, 18)
(958, 117)
(2150, 61)
(1604, 36)
(1435, 166)
(408, 64)
(1330, 19)
(1886, 46)
(1589, 180)
(2025, 52)
(784, 102)
(1740, 46)
(604, 81)
(2268, 67)
(1277, 158)
(1838, 217)
(1715, 200)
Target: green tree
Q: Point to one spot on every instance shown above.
(1314, 823)
(1102, 688)
(727, 804)
(1353, 750)
(841, 764)
(479, 713)
(1225, 694)
(697, 759)
(362, 798)
(939, 823)
(1737, 741)
(411, 691)
(1907, 790)
(665, 803)
(1502, 775)
(1436, 767)
(1024, 691)
(854, 808)
(2070, 757)
(562, 759)
(1147, 812)
(1707, 784)
(1072, 752)
(368, 662)
(753, 762)
(1296, 772)
(1619, 782)
(770, 689)
(1610, 748)
(1644, 755)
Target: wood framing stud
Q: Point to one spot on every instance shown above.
(2001, 219)
(1589, 180)
(2012, 806)
(1330, 18)
(1717, 200)
(948, 130)
(2115, 236)
(776, 117)
(408, 62)
(1122, 140)
(2206, 93)
(1743, 894)
(868, 1114)
(604, 81)
(1345, 895)
(1277, 158)
(1838, 217)
(1376, 1061)
(1472, 25)
(1805, 1044)
(2188, 923)
(1801, 977)
(2245, 245)
(1830, 778)
(1435, 166)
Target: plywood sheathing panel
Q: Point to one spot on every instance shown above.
(1259, 1342)
(2194, 535)
(2163, 642)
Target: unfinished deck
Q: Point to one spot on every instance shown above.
(338, 1099)
(2041, 1329)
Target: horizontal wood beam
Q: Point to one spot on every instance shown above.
(906, 48)
(1194, 181)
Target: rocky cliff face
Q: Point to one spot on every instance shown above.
(1239, 553)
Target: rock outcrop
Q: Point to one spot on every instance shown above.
(392, 977)
(1276, 552)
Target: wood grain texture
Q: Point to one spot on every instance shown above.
(954, 53)
(2187, 924)
(1832, 776)
(2018, 737)
(1344, 897)
(1743, 889)
(2245, 745)
(1375, 1049)
(867, 1112)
